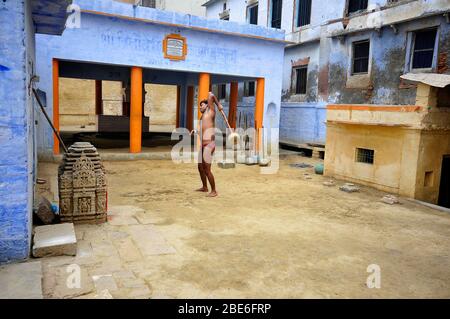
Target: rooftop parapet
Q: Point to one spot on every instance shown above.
(185, 21)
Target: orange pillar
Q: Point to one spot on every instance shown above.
(136, 110)
(98, 97)
(178, 106)
(55, 68)
(233, 104)
(259, 111)
(203, 89)
(190, 108)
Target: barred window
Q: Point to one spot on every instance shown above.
(148, 3)
(276, 14)
(304, 12)
(424, 42)
(301, 77)
(361, 57)
(253, 14)
(364, 155)
(356, 5)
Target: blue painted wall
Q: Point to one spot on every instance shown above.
(302, 123)
(389, 58)
(16, 131)
(116, 41)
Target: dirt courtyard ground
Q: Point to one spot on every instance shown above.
(284, 235)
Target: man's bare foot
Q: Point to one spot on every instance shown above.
(212, 194)
(202, 189)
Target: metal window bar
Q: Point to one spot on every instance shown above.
(276, 13)
(304, 12)
(300, 81)
(356, 5)
(361, 57)
(424, 42)
(364, 155)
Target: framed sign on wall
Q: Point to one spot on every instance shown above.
(174, 47)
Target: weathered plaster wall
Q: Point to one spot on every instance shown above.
(438, 144)
(388, 143)
(117, 41)
(402, 158)
(307, 54)
(409, 143)
(16, 130)
(389, 56)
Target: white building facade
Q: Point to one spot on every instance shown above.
(345, 51)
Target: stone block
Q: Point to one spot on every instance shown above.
(226, 164)
(349, 188)
(55, 240)
(44, 210)
(390, 199)
(149, 240)
(329, 183)
(66, 282)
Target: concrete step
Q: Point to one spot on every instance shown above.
(55, 240)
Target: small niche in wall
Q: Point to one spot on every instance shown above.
(429, 179)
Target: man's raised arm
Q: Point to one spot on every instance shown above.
(212, 99)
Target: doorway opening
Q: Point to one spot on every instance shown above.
(444, 188)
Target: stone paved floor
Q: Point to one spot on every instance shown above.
(285, 235)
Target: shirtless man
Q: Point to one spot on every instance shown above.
(207, 131)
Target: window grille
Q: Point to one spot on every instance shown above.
(361, 57)
(301, 74)
(356, 5)
(364, 155)
(276, 14)
(424, 42)
(304, 12)
(253, 14)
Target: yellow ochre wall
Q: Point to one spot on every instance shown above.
(433, 146)
(408, 141)
(393, 147)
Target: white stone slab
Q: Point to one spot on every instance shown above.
(21, 281)
(55, 240)
(149, 240)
